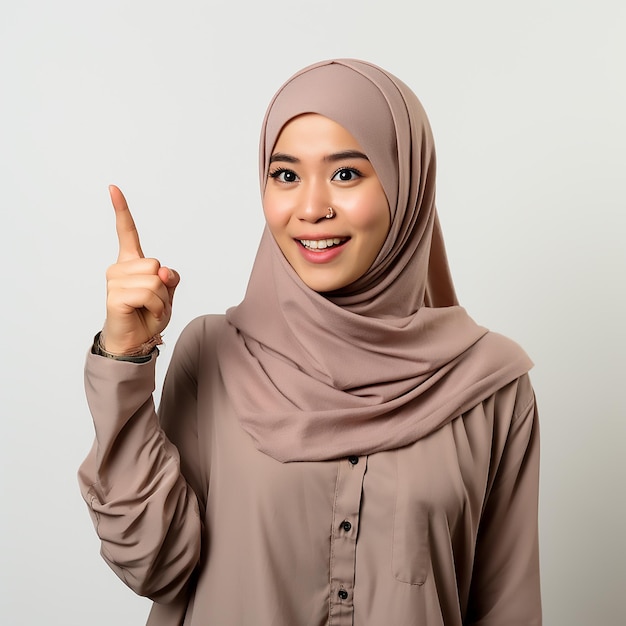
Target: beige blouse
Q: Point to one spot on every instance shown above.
(440, 533)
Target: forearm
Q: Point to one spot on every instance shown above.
(145, 513)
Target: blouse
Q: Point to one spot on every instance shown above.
(442, 532)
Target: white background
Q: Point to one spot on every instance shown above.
(527, 104)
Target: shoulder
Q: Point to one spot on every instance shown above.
(197, 341)
(505, 349)
(505, 360)
(515, 400)
(201, 331)
(508, 362)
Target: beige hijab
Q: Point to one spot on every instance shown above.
(388, 359)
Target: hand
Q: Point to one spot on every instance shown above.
(140, 291)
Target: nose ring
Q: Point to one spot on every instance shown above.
(330, 214)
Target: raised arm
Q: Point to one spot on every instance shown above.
(144, 510)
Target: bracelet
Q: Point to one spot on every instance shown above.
(142, 354)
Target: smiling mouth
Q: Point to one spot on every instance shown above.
(322, 244)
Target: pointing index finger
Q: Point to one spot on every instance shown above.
(127, 235)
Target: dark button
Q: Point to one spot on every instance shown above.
(346, 525)
(343, 594)
(353, 459)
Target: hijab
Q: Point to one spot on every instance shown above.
(388, 359)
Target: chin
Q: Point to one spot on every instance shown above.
(325, 286)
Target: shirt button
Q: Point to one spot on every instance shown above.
(346, 525)
(353, 459)
(343, 594)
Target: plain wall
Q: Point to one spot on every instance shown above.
(166, 99)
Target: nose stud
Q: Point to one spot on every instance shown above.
(330, 214)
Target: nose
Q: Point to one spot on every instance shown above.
(313, 203)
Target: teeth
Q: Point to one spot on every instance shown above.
(320, 244)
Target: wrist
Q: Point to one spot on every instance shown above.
(140, 354)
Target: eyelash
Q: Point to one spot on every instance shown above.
(353, 170)
(278, 171)
(282, 170)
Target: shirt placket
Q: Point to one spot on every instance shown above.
(346, 515)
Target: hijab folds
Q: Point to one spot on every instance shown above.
(392, 357)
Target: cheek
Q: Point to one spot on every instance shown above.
(275, 212)
(370, 213)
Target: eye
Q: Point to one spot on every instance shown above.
(283, 175)
(347, 174)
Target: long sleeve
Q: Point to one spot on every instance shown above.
(505, 586)
(144, 509)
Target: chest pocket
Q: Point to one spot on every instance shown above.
(431, 497)
(431, 503)
(441, 480)
(410, 559)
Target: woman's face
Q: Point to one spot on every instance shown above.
(317, 164)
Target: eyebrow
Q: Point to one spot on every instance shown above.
(336, 156)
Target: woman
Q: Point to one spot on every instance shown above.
(346, 446)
